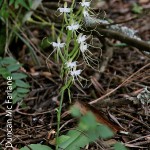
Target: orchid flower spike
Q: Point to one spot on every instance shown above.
(65, 9)
(81, 38)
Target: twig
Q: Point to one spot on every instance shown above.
(141, 45)
(123, 83)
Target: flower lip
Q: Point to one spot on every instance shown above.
(83, 47)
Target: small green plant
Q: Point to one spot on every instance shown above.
(66, 52)
(68, 56)
(137, 8)
(10, 67)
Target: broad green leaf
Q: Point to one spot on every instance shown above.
(75, 111)
(104, 131)
(119, 146)
(21, 83)
(2, 70)
(8, 60)
(5, 75)
(76, 141)
(22, 95)
(36, 147)
(14, 94)
(13, 85)
(87, 122)
(63, 138)
(22, 90)
(17, 76)
(16, 99)
(13, 67)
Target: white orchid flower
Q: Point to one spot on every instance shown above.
(75, 73)
(85, 4)
(81, 38)
(73, 27)
(65, 9)
(57, 44)
(71, 64)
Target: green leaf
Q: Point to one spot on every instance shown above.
(84, 122)
(14, 85)
(17, 76)
(13, 67)
(104, 131)
(5, 74)
(22, 95)
(46, 42)
(62, 139)
(137, 9)
(76, 141)
(119, 146)
(2, 70)
(14, 94)
(75, 111)
(22, 3)
(21, 83)
(36, 147)
(22, 90)
(87, 131)
(8, 60)
(11, 2)
(16, 99)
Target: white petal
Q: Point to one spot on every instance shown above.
(85, 4)
(76, 72)
(71, 64)
(64, 10)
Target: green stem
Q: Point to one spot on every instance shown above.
(62, 91)
(58, 117)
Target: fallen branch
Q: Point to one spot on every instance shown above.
(141, 45)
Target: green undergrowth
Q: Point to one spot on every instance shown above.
(9, 67)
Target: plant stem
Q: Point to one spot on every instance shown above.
(58, 116)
